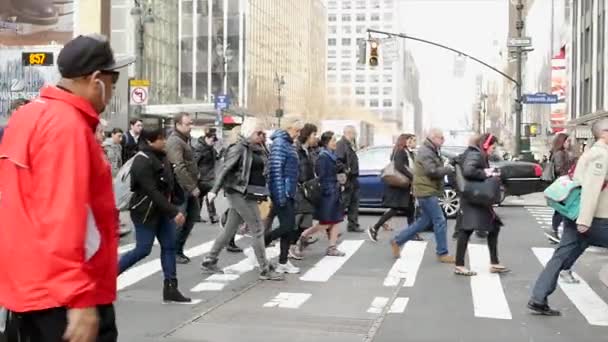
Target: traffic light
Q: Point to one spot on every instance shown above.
(373, 53)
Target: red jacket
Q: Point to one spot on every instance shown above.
(58, 219)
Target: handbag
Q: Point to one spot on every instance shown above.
(392, 177)
(564, 195)
(312, 190)
(482, 193)
(256, 193)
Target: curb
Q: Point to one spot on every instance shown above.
(604, 275)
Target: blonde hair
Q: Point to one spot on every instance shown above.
(250, 126)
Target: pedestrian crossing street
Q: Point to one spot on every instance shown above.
(489, 297)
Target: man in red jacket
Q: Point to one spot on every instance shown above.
(59, 219)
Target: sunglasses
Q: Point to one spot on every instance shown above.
(113, 74)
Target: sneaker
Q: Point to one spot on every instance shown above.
(209, 266)
(294, 253)
(182, 259)
(568, 277)
(334, 251)
(396, 249)
(542, 309)
(373, 234)
(287, 268)
(552, 236)
(271, 275)
(446, 259)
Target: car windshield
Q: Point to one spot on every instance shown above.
(374, 158)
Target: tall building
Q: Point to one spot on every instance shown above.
(412, 109)
(249, 49)
(378, 89)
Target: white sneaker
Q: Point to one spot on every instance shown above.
(251, 256)
(287, 268)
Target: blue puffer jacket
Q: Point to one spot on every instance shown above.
(283, 168)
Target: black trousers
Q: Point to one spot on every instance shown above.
(350, 198)
(286, 230)
(50, 325)
(463, 242)
(192, 212)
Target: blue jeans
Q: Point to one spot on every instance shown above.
(431, 212)
(571, 247)
(144, 239)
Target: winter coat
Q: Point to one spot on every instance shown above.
(561, 162)
(114, 153)
(348, 157)
(475, 217)
(181, 157)
(234, 172)
(307, 173)
(152, 182)
(429, 171)
(395, 197)
(330, 208)
(283, 168)
(205, 157)
(130, 147)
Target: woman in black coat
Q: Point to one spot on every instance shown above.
(476, 167)
(398, 200)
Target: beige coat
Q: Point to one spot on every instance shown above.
(592, 173)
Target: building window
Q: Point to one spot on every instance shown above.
(374, 91)
(375, 17)
(388, 66)
(375, 3)
(333, 30)
(347, 5)
(331, 66)
(346, 17)
(388, 4)
(345, 66)
(360, 4)
(346, 41)
(361, 17)
(388, 16)
(345, 90)
(360, 91)
(387, 78)
(347, 29)
(332, 78)
(347, 78)
(360, 78)
(374, 78)
(361, 102)
(332, 4)
(373, 103)
(387, 90)
(331, 17)
(331, 53)
(387, 103)
(331, 42)
(360, 29)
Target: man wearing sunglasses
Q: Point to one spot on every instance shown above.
(59, 241)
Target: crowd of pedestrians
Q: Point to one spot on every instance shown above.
(60, 196)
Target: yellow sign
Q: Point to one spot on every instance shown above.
(139, 83)
(37, 59)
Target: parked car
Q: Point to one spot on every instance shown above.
(519, 178)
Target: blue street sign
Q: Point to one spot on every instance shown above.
(540, 98)
(222, 102)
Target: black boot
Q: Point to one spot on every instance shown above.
(38, 12)
(171, 294)
(233, 248)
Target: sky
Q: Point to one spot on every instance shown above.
(477, 27)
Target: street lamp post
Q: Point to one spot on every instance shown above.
(280, 82)
(142, 16)
(518, 101)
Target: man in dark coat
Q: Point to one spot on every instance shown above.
(347, 156)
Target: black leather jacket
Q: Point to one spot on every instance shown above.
(236, 167)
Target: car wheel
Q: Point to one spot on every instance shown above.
(450, 203)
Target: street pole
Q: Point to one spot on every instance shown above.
(518, 101)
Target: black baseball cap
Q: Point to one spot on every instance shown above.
(86, 54)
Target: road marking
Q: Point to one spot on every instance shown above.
(137, 273)
(407, 265)
(590, 305)
(217, 282)
(288, 300)
(126, 248)
(379, 303)
(489, 299)
(326, 267)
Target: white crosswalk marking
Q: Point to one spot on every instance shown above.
(407, 265)
(288, 300)
(590, 305)
(217, 282)
(139, 272)
(325, 269)
(128, 247)
(379, 303)
(489, 299)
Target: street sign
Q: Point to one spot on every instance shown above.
(222, 102)
(519, 42)
(539, 98)
(139, 92)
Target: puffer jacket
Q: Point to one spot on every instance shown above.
(114, 153)
(235, 169)
(283, 168)
(429, 171)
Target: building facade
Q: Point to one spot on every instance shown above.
(254, 53)
(412, 120)
(380, 89)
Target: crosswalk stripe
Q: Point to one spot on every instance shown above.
(137, 273)
(489, 299)
(590, 305)
(407, 265)
(326, 267)
(379, 303)
(217, 282)
(288, 300)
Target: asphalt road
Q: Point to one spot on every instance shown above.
(368, 296)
